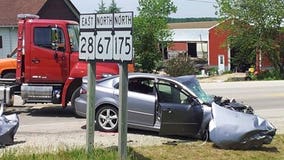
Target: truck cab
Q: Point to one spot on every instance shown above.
(48, 69)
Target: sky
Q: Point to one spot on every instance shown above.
(185, 8)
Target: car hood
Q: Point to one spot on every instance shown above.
(231, 129)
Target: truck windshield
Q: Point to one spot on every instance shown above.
(73, 31)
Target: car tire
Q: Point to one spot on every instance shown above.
(75, 94)
(107, 119)
(9, 75)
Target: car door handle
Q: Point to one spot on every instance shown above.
(35, 60)
(169, 110)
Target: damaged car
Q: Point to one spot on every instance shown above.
(168, 105)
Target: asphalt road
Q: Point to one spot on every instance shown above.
(50, 125)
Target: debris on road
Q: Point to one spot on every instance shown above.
(8, 127)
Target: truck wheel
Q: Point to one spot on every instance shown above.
(107, 119)
(9, 75)
(75, 94)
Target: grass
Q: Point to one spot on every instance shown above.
(175, 151)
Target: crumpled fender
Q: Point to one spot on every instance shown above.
(231, 129)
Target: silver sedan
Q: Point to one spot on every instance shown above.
(169, 105)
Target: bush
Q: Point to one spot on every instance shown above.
(181, 65)
(268, 75)
(212, 71)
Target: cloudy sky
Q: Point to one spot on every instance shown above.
(186, 8)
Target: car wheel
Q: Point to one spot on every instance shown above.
(9, 75)
(107, 119)
(75, 94)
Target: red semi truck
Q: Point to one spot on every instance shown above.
(48, 68)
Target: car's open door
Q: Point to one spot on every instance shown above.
(180, 119)
(180, 114)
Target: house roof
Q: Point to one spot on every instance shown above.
(9, 9)
(190, 25)
(190, 35)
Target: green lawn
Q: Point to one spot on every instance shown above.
(177, 151)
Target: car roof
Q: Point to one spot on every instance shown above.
(180, 79)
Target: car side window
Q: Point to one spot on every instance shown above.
(170, 93)
(51, 38)
(141, 85)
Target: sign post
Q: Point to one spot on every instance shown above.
(87, 52)
(107, 38)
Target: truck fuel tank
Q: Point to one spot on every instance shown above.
(6, 95)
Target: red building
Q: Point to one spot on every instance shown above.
(219, 50)
(212, 43)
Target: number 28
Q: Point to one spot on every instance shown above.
(87, 44)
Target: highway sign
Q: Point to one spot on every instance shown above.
(104, 45)
(123, 46)
(87, 38)
(87, 21)
(86, 46)
(106, 37)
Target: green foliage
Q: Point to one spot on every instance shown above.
(102, 7)
(187, 149)
(150, 29)
(180, 20)
(243, 54)
(71, 154)
(180, 65)
(111, 9)
(256, 24)
(268, 75)
(212, 71)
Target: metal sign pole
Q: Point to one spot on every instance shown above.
(107, 37)
(90, 106)
(122, 128)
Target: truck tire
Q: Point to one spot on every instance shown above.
(75, 94)
(9, 75)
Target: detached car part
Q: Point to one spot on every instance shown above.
(8, 127)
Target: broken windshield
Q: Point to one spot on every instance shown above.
(195, 87)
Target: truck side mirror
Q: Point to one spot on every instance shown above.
(58, 40)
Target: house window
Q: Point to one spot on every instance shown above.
(1, 42)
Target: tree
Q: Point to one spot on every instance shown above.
(102, 7)
(180, 65)
(113, 7)
(256, 22)
(150, 29)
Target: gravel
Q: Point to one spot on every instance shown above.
(50, 142)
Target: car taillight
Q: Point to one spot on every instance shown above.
(83, 91)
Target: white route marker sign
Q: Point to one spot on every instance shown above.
(106, 37)
(87, 37)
